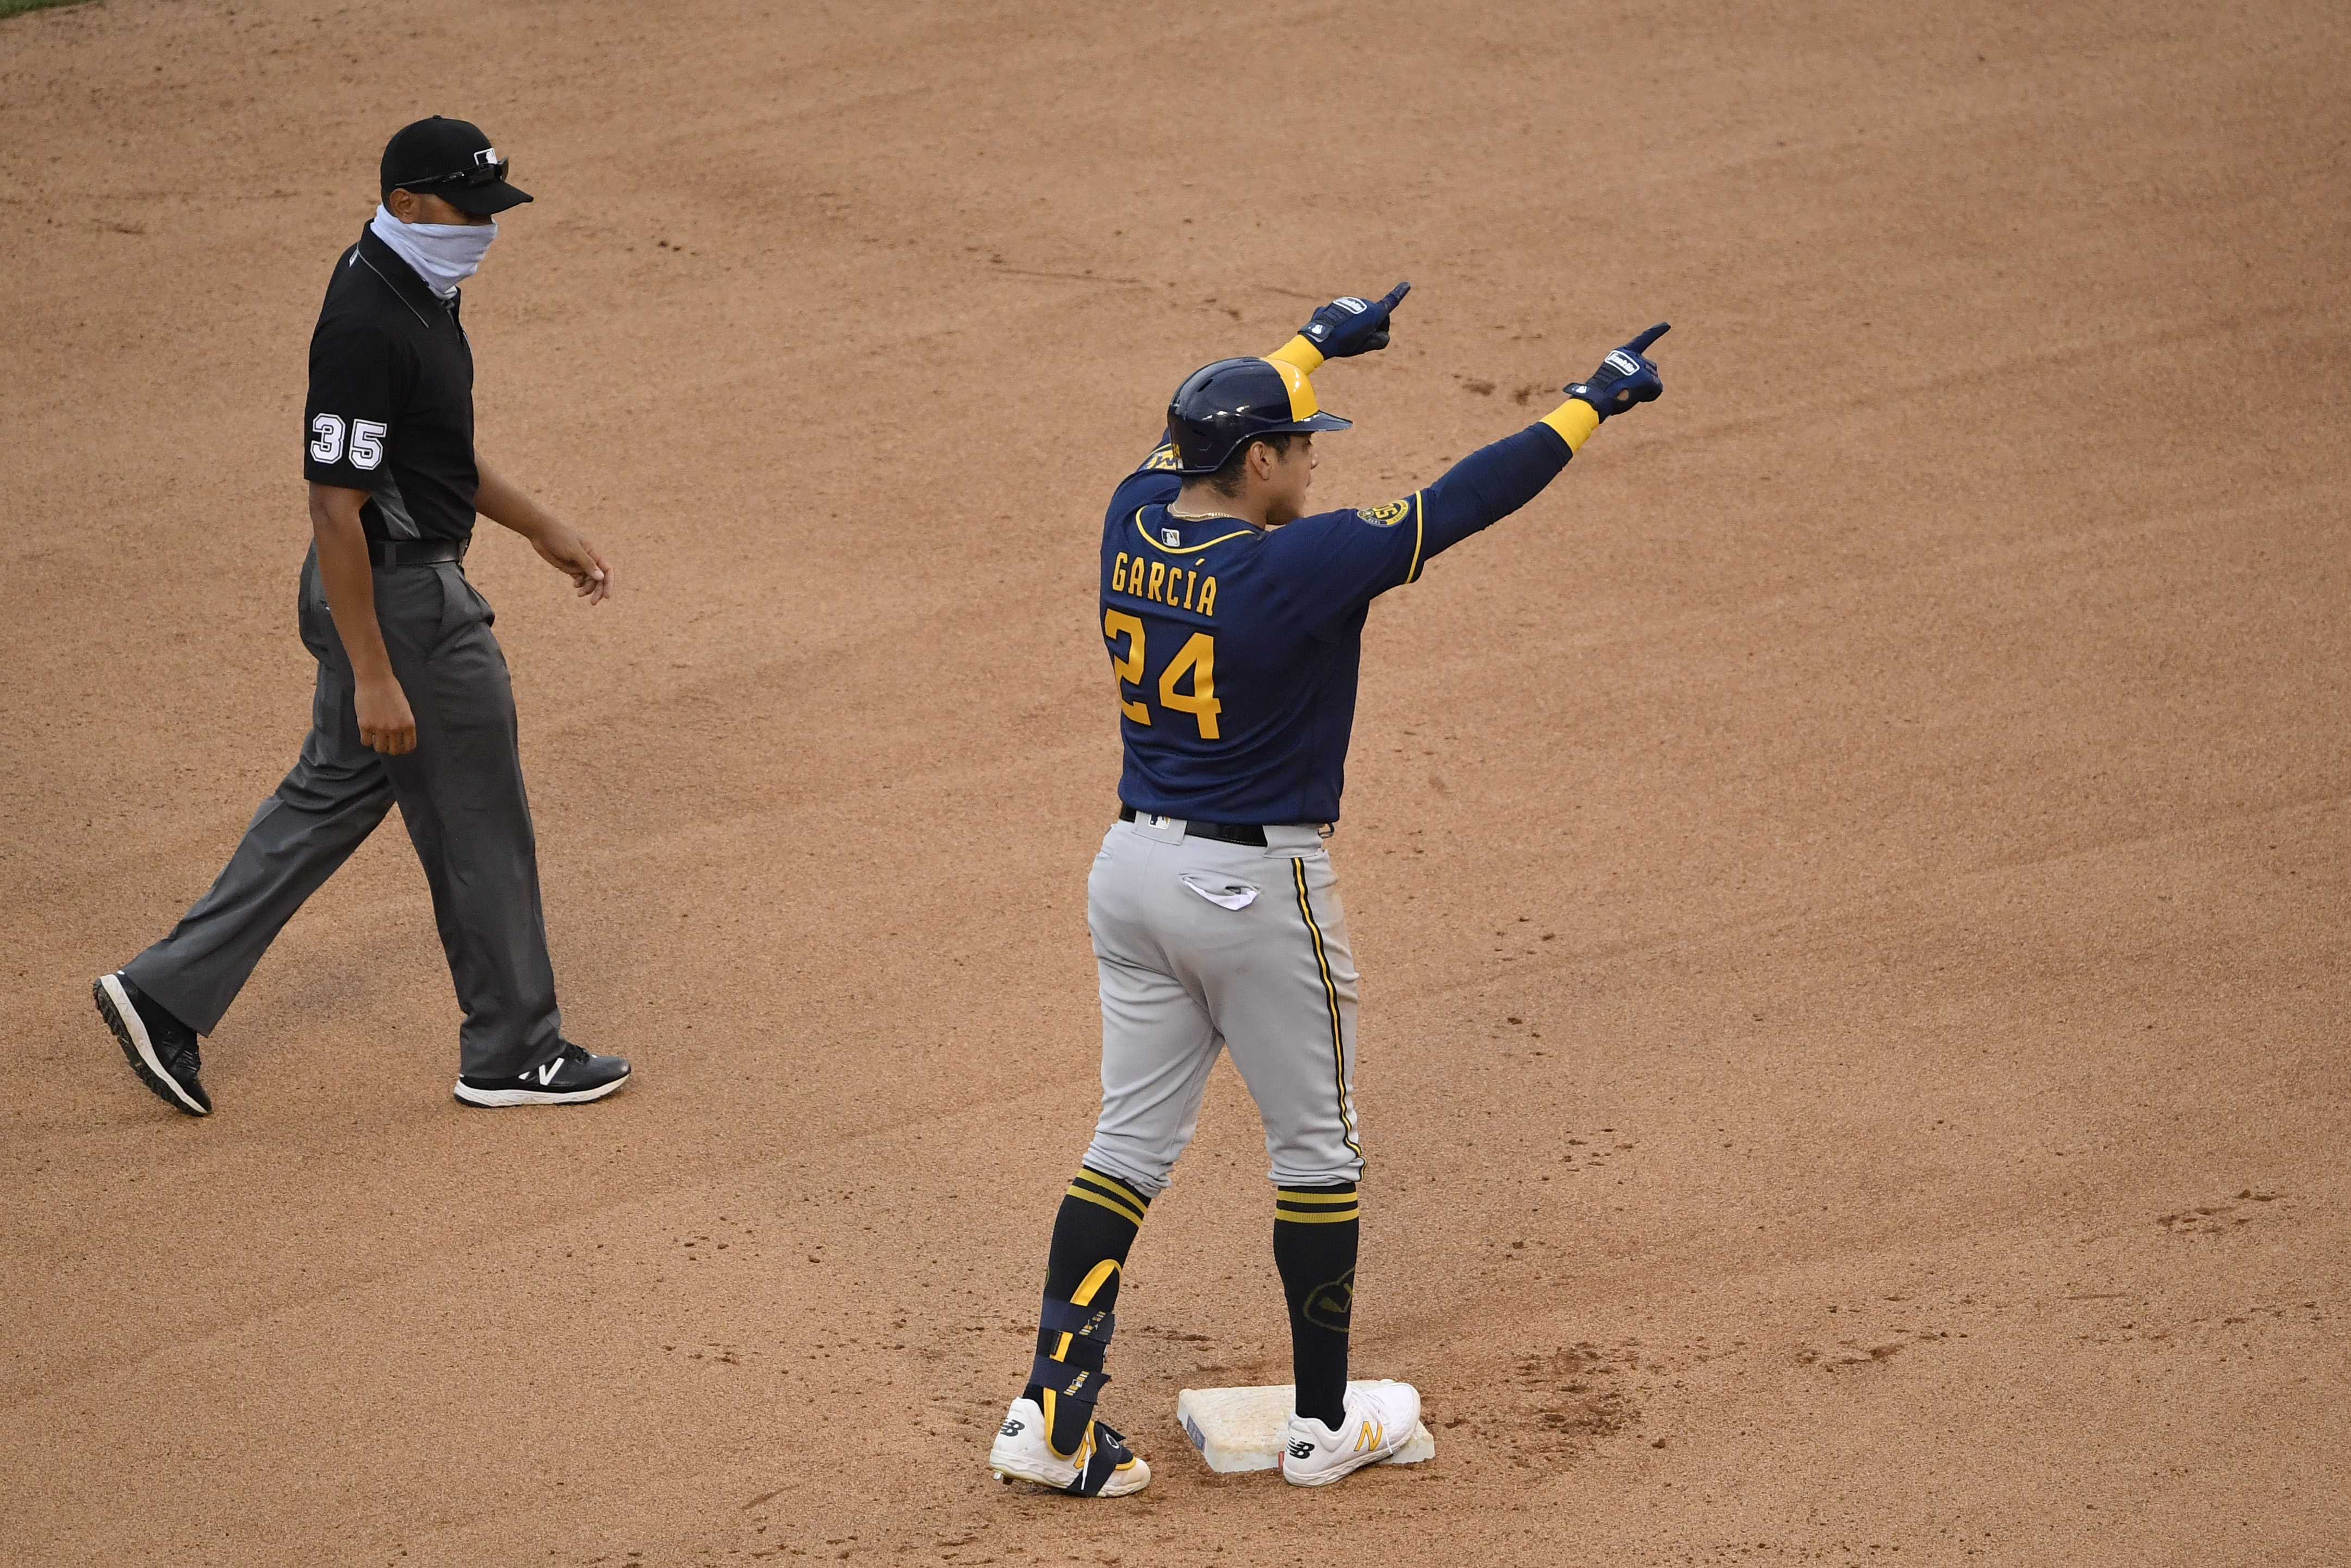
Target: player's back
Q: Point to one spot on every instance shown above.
(1236, 650)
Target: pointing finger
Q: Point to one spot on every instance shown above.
(1642, 342)
(1395, 296)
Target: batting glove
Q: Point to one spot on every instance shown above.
(1623, 378)
(1348, 327)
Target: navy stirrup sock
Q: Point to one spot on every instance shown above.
(1316, 1230)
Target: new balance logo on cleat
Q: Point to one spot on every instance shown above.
(1012, 1428)
(1382, 1416)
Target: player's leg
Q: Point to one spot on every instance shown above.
(1290, 1023)
(324, 809)
(1094, 1230)
(462, 799)
(1157, 1049)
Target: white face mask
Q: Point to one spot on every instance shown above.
(444, 255)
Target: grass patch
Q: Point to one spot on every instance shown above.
(18, 8)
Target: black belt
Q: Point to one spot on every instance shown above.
(414, 552)
(1231, 832)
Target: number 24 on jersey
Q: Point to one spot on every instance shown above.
(1197, 658)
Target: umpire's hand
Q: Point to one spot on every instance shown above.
(567, 549)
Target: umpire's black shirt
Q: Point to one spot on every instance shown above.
(391, 398)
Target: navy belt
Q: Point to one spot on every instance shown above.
(414, 552)
(1231, 832)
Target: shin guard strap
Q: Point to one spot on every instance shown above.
(1078, 1379)
(1094, 1323)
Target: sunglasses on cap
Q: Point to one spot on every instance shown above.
(488, 169)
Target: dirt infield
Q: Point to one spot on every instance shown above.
(1851, 883)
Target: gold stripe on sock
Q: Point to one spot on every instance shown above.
(1103, 1200)
(1112, 1185)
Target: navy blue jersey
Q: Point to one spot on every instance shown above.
(1237, 648)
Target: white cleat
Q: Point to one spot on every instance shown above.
(1381, 1419)
(1102, 1467)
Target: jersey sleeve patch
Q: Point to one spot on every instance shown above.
(1386, 516)
(1163, 458)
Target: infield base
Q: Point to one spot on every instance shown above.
(1243, 1429)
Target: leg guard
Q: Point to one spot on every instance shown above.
(1071, 1380)
(1095, 1226)
(1072, 1373)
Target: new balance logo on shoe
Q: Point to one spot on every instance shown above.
(1299, 1448)
(570, 1077)
(1368, 1436)
(1012, 1428)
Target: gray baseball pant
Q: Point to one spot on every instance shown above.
(1205, 946)
(460, 794)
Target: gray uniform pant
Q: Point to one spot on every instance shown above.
(460, 794)
(1205, 946)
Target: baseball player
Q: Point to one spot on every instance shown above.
(413, 703)
(1234, 620)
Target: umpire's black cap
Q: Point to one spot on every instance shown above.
(453, 160)
(1223, 404)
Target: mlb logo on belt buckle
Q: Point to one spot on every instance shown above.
(1148, 820)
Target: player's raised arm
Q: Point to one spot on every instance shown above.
(1358, 555)
(1495, 481)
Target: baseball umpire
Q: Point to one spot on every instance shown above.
(1235, 628)
(413, 703)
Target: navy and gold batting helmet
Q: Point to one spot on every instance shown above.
(1223, 404)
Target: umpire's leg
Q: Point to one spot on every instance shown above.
(461, 795)
(326, 807)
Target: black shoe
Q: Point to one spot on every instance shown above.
(161, 1050)
(567, 1078)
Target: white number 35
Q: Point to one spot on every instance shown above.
(367, 441)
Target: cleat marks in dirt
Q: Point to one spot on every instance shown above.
(1569, 1400)
(2218, 1219)
(1873, 1345)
